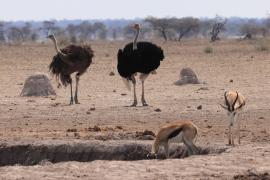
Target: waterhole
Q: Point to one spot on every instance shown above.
(34, 153)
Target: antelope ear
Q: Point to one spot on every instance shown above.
(223, 106)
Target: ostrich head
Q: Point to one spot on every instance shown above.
(51, 36)
(136, 26)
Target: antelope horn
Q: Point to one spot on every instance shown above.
(235, 101)
(241, 105)
(227, 102)
(223, 106)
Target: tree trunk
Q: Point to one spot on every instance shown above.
(164, 34)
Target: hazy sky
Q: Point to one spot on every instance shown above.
(104, 9)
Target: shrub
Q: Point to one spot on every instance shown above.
(208, 50)
(262, 45)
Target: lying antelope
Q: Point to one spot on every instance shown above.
(234, 102)
(186, 131)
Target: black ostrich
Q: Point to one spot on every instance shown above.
(72, 58)
(141, 57)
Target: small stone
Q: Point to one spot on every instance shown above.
(147, 132)
(199, 107)
(26, 116)
(94, 129)
(203, 89)
(77, 135)
(118, 127)
(71, 130)
(157, 110)
(111, 74)
(231, 80)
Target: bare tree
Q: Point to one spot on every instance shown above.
(34, 36)
(204, 27)
(218, 26)
(128, 31)
(114, 33)
(26, 31)
(267, 21)
(266, 26)
(160, 24)
(72, 31)
(2, 32)
(85, 30)
(15, 34)
(184, 26)
(100, 30)
(48, 26)
(249, 30)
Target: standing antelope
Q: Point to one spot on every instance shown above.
(186, 131)
(234, 102)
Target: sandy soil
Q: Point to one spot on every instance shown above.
(240, 160)
(104, 101)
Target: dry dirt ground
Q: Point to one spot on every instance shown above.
(104, 103)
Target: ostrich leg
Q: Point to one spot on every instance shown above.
(71, 93)
(143, 77)
(76, 90)
(134, 90)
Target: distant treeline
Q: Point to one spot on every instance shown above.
(169, 29)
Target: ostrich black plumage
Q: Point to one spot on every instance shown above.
(141, 57)
(72, 58)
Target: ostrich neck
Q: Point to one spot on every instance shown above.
(135, 40)
(57, 48)
(63, 56)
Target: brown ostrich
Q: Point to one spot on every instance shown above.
(72, 58)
